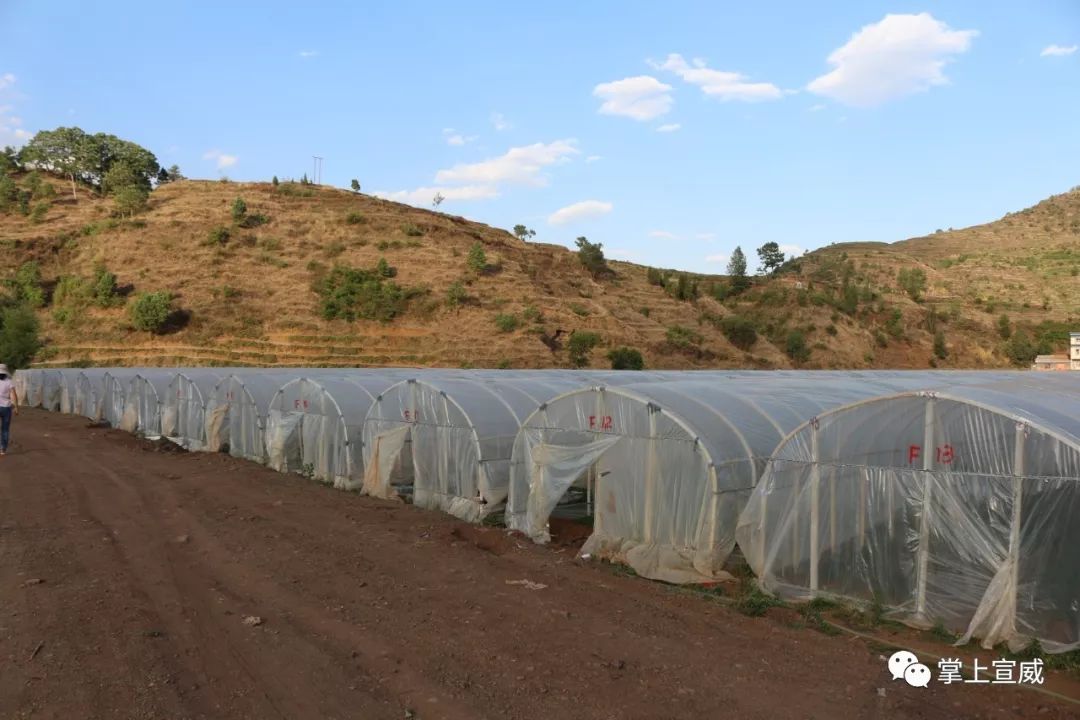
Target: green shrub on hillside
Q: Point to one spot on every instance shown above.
(739, 331)
(349, 293)
(1019, 349)
(913, 282)
(25, 287)
(45, 191)
(19, 341)
(455, 294)
(795, 346)
(507, 322)
(683, 338)
(1004, 327)
(239, 209)
(626, 358)
(104, 288)
(9, 194)
(940, 350)
(592, 257)
(580, 346)
(218, 236)
(130, 200)
(383, 269)
(477, 258)
(895, 324)
(37, 215)
(150, 310)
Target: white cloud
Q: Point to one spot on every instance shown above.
(718, 83)
(898, 56)
(308, 53)
(11, 134)
(453, 137)
(795, 250)
(481, 181)
(422, 197)
(706, 236)
(223, 160)
(583, 210)
(1058, 50)
(663, 235)
(593, 158)
(11, 131)
(499, 122)
(522, 165)
(720, 258)
(641, 98)
(817, 108)
(670, 127)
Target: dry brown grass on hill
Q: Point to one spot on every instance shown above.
(251, 300)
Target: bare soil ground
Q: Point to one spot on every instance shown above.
(129, 577)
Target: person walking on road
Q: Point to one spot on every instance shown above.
(9, 404)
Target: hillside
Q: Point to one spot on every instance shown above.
(250, 298)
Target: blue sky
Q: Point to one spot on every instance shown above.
(669, 132)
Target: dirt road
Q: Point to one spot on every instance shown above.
(129, 577)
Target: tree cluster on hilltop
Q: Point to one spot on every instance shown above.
(101, 161)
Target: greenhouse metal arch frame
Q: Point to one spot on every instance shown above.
(461, 427)
(986, 501)
(738, 418)
(693, 551)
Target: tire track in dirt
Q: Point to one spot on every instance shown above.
(213, 639)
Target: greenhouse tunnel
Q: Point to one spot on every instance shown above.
(51, 385)
(88, 389)
(954, 507)
(236, 409)
(313, 425)
(447, 437)
(184, 405)
(69, 390)
(113, 395)
(30, 384)
(22, 380)
(667, 466)
(146, 391)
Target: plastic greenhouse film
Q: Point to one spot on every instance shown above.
(947, 509)
(217, 429)
(554, 469)
(282, 440)
(381, 463)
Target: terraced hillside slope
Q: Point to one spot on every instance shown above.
(246, 289)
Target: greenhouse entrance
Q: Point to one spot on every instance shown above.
(284, 441)
(391, 470)
(565, 480)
